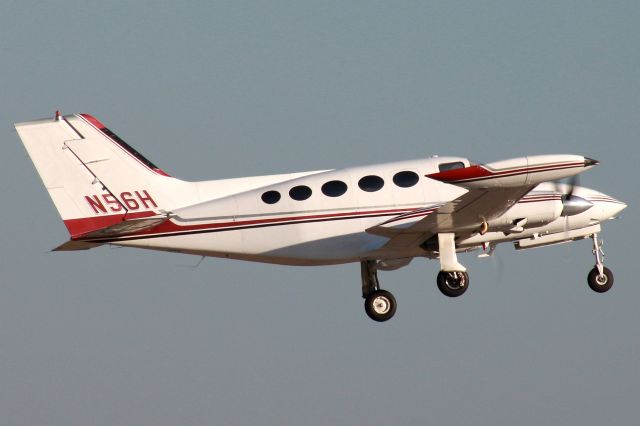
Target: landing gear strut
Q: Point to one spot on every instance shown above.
(600, 278)
(453, 279)
(380, 305)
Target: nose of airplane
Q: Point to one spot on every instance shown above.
(608, 206)
(618, 208)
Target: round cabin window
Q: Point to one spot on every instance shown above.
(371, 183)
(300, 192)
(334, 188)
(406, 179)
(271, 197)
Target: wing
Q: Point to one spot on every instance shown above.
(492, 189)
(463, 216)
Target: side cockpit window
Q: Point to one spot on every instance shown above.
(445, 167)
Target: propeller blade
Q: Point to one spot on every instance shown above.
(572, 182)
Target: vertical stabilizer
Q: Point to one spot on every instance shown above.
(94, 178)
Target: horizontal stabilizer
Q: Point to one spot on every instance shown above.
(126, 227)
(72, 245)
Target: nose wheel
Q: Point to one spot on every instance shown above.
(600, 282)
(600, 279)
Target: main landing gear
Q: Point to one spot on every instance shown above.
(379, 304)
(600, 279)
(453, 279)
(453, 284)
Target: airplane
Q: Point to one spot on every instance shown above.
(381, 216)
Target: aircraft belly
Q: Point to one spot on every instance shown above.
(219, 243)
(297, 244)
(338, 243)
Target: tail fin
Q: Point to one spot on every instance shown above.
(94, 178)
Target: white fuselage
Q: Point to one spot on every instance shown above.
(325, 229)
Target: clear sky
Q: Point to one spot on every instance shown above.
(210, 89)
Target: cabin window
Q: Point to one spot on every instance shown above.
(445, 167)
(405, 179)
(300, 192)
(334, 188)
(371, 183)
(271, 197)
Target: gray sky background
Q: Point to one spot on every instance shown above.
(211, 89)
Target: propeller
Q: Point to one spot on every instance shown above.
(573, 181)
(572, 204)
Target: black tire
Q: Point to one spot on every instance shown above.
(380, 305)
(598, 283)
(453, 284)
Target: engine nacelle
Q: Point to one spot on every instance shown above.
(530, 212)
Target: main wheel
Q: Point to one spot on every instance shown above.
(453, 284)
(600, 283)
(380, 305)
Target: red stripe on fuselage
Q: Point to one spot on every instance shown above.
(170, 227)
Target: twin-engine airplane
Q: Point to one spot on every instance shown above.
(381, 216)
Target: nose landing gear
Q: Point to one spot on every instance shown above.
(600, 278)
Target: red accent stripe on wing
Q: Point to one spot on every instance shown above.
(455, 175)
(478, 172)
